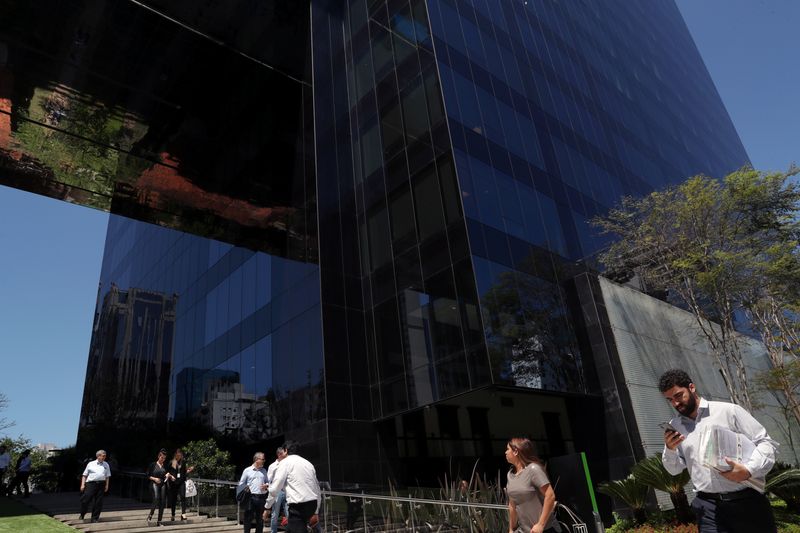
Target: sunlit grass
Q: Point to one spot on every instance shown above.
(18, 518)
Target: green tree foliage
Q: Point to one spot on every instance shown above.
(632, 492)
(208, 460)
(652, 473)
(719, 247)
(41, 472)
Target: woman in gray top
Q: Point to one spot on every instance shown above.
(531, 498)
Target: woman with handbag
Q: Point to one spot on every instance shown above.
(176, 486)
(157, 474)
(531, 498)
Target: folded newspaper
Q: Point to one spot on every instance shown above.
(717, 443)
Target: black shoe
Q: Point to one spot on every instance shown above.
(94, 520)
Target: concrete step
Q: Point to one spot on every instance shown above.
(116, 524)
(206, 526)
(124, 516)
(137, 514)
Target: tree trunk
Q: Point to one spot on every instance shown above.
(683, 512)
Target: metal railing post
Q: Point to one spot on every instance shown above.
(364, 510)
(216, 505)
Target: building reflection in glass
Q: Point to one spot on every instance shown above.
(130, 359)
(236, 347)
(122, 107)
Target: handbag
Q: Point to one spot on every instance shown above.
(191, 488)
(243, 497)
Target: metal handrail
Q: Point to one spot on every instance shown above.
(429, 501)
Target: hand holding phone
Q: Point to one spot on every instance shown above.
(672, 437)
(666, 426)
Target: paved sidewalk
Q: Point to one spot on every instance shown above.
(121, 514)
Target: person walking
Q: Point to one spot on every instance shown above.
(279, 507)
(157, 475)
(254, 479)
(531, 498)
(5, 462)
(94, 485)
(23, 472)
(176, 486)
(723, 504)
(299, 477)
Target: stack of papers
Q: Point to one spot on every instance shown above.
(717, 443)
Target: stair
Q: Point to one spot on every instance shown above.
(123, 515)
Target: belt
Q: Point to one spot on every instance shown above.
(728, 496)
(97, 481)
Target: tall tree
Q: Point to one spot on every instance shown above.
(4, 422)
(718, 248)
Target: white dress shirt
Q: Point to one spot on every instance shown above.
(688, 455)
(97, 471)
(271, 470)
(299, 477)
(5, 461)
(253, 478)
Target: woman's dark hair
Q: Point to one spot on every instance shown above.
(525, 451)
(674, 377)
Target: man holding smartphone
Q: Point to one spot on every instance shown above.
(723, 504)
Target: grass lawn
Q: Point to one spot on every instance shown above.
(18, 518)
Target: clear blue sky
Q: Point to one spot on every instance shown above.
(51, 251)
(750, 47)
(51, 254)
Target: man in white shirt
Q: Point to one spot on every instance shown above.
(280, 500)
(299, 477)
(94, 485)
(723, 504)
(5, 462)
(254, 478)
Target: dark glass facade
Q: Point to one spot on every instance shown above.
(405, 186)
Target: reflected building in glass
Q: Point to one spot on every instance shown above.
(366, 220)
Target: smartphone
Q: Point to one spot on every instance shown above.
(666, 426)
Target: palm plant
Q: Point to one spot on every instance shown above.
(632, 492)
(652, 473)
(785, 484)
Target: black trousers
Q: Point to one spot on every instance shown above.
(299, 513)
(174, 490)
(93, 495)
(743, 515)
(255, 509)
(21, 478)
(158, 491)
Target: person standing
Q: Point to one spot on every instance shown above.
(23, 472)
(94, 485)
(299, 477)
(254, 478)
(279, 507)
(176, 486)
(157, 475)
(531, 498)
(5, 462)
(723, 504)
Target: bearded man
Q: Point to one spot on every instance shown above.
(723, 504)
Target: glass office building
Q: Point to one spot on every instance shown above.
(371, 214)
